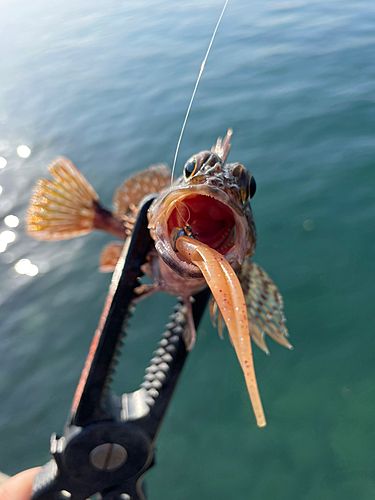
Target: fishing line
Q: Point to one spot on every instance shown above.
(196, 86)
(186, 220)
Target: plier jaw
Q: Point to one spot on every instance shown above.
(109, 441)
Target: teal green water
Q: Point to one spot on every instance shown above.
(108, 86)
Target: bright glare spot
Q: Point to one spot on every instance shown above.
(1, 189)
(23, 151)
(33, 270)
(3, 162)
(65, 494)
(3, 246)
(11, 220)
(7, 236)
(25, 266)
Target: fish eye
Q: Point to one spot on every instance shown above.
(246, 182)
(252, 187)
(190, 168)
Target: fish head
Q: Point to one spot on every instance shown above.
(210, 203)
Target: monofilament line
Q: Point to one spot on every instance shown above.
(196, 86)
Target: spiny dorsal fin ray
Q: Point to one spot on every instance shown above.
(265, 306)
(223, 145)
(128, 196)
(62, 208)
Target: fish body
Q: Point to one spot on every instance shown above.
(204, 235)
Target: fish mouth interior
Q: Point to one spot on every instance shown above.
(208, 219)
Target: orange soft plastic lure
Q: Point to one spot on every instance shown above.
(227, 291)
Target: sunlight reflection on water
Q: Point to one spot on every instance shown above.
(11, 220)
(7, 236)
(23, 151)
(25, 266)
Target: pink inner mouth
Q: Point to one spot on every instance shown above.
(210, 220)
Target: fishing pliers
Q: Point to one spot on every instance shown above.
(108, 441)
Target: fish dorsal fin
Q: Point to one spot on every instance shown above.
(265, 306)
(64, 207)
(223, 145)
(128, 196)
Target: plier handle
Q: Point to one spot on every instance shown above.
(108, 441)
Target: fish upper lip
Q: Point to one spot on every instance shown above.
(161, 212)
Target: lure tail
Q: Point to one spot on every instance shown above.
(67, 206)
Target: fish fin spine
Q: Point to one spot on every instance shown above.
(265, 306)
(223, 145)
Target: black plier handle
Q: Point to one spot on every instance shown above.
(108, 442)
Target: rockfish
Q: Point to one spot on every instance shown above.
(204, 235)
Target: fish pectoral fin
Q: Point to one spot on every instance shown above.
(110, 256)
(258, 337)
(265, 306)
(129, 195)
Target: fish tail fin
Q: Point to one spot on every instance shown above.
(67, 206)
(62, 208)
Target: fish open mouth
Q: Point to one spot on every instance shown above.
(209, 216)
(206, 219)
